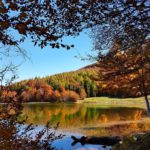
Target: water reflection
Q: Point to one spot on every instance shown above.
(89, 119)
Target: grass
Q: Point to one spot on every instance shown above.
(121, 102)
(110, 102)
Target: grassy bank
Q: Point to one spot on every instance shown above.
(106, 102)
(121, 102)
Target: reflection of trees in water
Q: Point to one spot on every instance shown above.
(137, 115)
(125, 129)
(41, 113)
(113, 114)
(76, 114)
(103, 121)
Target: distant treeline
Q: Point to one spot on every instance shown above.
(70, 86)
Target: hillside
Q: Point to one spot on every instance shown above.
(68, 86)
(76, 80)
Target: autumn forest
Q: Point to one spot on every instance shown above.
(70, 86)
(84, 68)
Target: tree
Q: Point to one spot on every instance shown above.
(87, 87)
(130, 68)
(82, 94)
(92, 90)
(46, 22)
(71, 96)
(120, 43)
(35, 19)
(5, 95)
(68, 96)
(14, 133)
(56, 96)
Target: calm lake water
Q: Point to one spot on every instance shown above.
(87, 119)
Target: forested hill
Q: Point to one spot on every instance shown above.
(76, 80)
(68, 86)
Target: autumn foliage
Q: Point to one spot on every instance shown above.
(83, 94)
(38, 91)
(15, 133)
(73, 86)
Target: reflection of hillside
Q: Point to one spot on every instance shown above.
(122, 129)
(40, 114)
(79, 116)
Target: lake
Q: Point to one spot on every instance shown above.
(87, 119)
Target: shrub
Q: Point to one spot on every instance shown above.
(56, 96)
(71, 96)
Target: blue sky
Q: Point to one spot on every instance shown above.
(48, 61)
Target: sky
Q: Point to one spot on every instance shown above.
(48, 61)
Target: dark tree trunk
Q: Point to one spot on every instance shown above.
(147, 103)
(145, 95)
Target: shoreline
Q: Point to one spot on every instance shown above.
(101, 101)
(104, 102)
